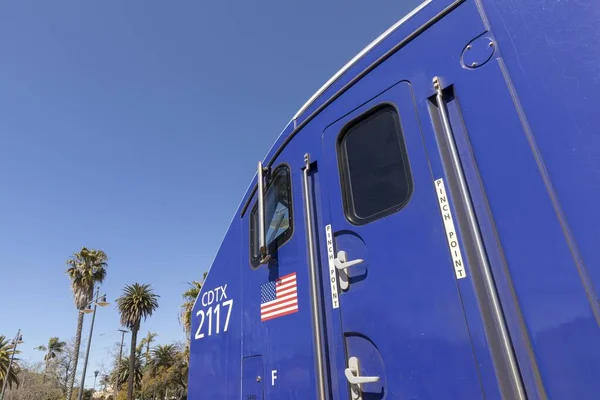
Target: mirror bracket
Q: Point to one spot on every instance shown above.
(263, 250)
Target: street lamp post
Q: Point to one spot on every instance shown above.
(18, 339)
(101, 303)
(95, 376)
(123, 332)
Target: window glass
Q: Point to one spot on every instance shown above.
(374, 166)
(278, 213)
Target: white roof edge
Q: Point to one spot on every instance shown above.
(357, 57)
(291, 121)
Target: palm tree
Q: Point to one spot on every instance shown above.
(163, 369)
(164, 356)
(54, 348)
(181, 369)
(86, 268)
(136, 302)
(6, 352)
(123, 372)
(189, 297)
(147, 341)
(105, 382)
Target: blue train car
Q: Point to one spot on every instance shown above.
(426, 226)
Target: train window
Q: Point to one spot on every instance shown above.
(374, 168)
(278, 214)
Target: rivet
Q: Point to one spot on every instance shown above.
(474, 65)
(469, 47)
(258, 379)
(491, 44)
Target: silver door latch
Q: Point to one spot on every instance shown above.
(355, 379)
(341, 264)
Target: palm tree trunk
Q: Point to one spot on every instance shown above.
(71, 381)
(148, 353)
(45, 372)
(131, 377)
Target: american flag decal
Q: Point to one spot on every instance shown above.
(279, 298)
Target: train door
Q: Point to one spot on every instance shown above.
(403, 326)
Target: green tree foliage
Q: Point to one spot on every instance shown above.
(138, 367)
(158, 371)
(164, 355)
(54, 348)
(32, 385)
(63, 365)
(6, 352)
(146, 342)
(167, 373)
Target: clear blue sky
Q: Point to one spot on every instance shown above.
(135, 127)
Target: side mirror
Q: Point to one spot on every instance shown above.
(263, 251)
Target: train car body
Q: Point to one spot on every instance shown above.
(429, 222)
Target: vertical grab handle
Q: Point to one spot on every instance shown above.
(481, 257)
(314, 295)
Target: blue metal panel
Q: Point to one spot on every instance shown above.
(552, 54)
(525, 128)
(216, 352)
(420, 66)
(285, 342)
(554, 305)
(550, 57)
(404, 317)
(253, 378)
(494, 253)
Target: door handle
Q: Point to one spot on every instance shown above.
(355, 379)
(342, 264)
(358, 379)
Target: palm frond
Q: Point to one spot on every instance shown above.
(190, 295)
(86, 268)
(123, 372)
(137, 302)
(6, 352)
(55, 347)
(164, 355)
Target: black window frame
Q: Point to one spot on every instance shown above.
(253, 218)
(344, 170)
